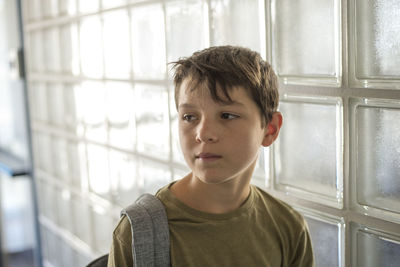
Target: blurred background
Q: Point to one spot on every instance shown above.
(88, 121)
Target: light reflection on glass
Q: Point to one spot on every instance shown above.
(102, 228)
(77, 165)
(239, 23)
(378, 165)
(82, 223)
(91, 53)
(68, 7)
(86, 6)
(325, 237)
(116, 44)
(300, 32)
(56, 104)
(152, 120)
(153, 175)
(314, 130)
(112, 3)
(124, 177)
(121, 115)
(376, 249)
(69, 49)
(70, 115)
(186, 20)
(91, 110)
(148, 42)
(51, 44)
(99, 176)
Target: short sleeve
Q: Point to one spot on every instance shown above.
(121, 247)
(303, 255)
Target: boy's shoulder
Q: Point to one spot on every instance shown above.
(280, 212)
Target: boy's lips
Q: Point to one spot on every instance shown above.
(208, 156)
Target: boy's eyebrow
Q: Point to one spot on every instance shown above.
(232, 103)
(185, 105)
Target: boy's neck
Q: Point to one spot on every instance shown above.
(212, 198)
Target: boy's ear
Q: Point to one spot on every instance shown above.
(272, 129)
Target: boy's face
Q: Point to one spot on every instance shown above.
(220, 141)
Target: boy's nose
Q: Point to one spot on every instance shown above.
(206, 133)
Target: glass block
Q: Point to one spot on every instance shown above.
(116, 44)
(186, 20)
(64, 211)
(67, 254)
(36, 52)
(374, 248)
(148, 42)
(49, 201)
(34, 9)
(81, 259)
(91, 53)
(260, 166)
(51, 50)
(53, 245)
(327, 237)
(259, 175)
(67, 7)
(124, 178)
(60, 159)
(69, 53)
(50, 8)
(120, 102)
(152, 120)
(239, 23)
(90, 101)
(44, 155)
(70, 107)
(77, 163)
(38, 101)
(98, 170)
(39, 187)
(81, 216)
(55, 97)
(377, 29)
(153, 176)
(300, 33)
(112, 3)
(102, 229)
(88, 6)
(35, 149)
(44, 242)
(308, 153)
(378, 154)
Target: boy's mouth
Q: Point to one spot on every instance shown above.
(208, 156)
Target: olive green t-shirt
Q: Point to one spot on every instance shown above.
(264, 231)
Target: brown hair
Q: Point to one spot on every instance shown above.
(227, 67)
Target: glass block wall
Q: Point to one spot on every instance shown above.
(105, 128)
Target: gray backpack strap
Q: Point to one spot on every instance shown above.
(150, 232)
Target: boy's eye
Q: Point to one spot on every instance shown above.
(228, 116)
(188, 117)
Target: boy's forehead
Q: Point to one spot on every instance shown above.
(201, 93)
(202, 90)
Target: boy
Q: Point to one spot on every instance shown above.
(227, 100)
